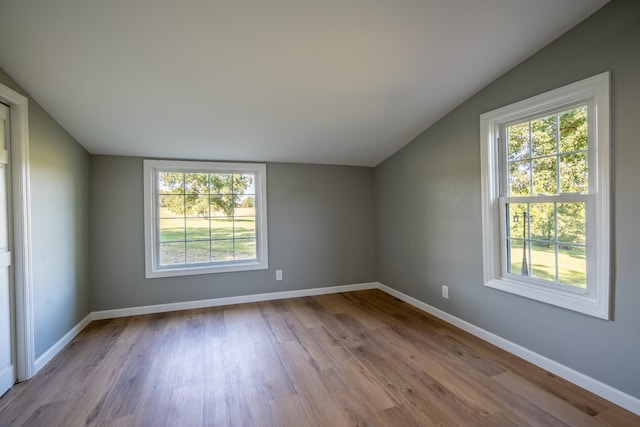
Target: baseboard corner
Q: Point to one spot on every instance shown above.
(53, 351)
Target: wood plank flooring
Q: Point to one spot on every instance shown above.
(352, 359)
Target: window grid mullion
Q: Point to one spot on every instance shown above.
(558, 154)
(546, 156)
(209, 218)
(528, 225)
(556, 248)
(555, 240)
(530, 160)
(184, 214)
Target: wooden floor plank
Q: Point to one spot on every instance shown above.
(618, 417)
(317, 353)
(359, 358)
(552, 404)
(289, 411)
(583, 400)
(318, 403)
(186, 406)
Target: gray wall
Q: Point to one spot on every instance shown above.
(60, 209)
(428, 208)
(321, 233)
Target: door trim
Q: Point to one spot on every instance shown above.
(21, 203)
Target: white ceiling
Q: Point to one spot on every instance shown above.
(325, 81)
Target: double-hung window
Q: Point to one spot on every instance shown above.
(204, 217)
(545, 182)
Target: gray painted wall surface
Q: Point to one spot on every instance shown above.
(428, 208)
(321, 233)
(59, 221)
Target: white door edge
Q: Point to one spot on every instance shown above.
(21, 206)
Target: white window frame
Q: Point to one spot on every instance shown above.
(151, 209)
(593, 301)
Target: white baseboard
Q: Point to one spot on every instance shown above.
(601, 389)
(48, 355)
(187, 305)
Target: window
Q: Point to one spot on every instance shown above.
(545, 197)
(203, 217)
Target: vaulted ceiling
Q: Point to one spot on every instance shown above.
(326, 81)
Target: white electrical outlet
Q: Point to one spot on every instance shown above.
(445, 291)
(278, 274)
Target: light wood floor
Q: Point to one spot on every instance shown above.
(360, 358)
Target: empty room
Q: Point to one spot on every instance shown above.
(297, 213)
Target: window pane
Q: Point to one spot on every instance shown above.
(171, 206)
(571, 222)
(519, 179)
(221, 183)
(572, 266)
(518, 231)
(543, 136)
(172, 253)
(245, 249)
(574, 173)
(245, 206)
(196, 183)
(243, 184)
(518, 141)
(544, 176)
(573, 130)
(172, 229)
(197, 228)
(543, 261)
(196, 205)
(222, 250)
(198, 251)
(515, 214)
(222, 228)
(518, 257)
(222, 205)
(244, 227)
(543, 225)
(171, 182)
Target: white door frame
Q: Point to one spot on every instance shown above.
(21, 205)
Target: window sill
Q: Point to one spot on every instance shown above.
(569, 299)
(208, 269)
